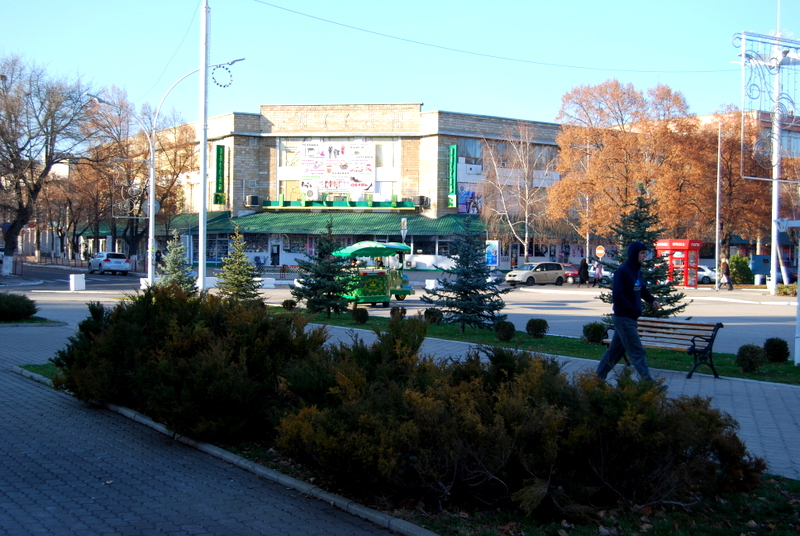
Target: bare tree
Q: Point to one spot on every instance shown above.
(122, 159)
(41, 124)
(518, 174)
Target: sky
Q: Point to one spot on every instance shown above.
(512, 59)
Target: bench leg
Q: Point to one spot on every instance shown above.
(704, 360)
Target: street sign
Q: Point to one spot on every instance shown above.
(600, 251)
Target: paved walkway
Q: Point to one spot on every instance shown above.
(69, 468)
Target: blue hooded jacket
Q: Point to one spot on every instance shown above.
(629, 288)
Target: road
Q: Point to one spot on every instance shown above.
(749, 316)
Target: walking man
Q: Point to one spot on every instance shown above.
(628, 291)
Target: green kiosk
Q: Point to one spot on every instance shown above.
(376, 282)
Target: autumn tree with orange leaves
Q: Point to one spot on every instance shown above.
(615, 137)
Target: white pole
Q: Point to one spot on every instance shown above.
(776, 185)
(719, 202)
(203, 136)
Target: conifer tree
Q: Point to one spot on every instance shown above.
(471, 296)
(324, 279)
(238, 277)
(177, 269)
(642, 224)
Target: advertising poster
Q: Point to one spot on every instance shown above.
(492, 252)
(341, 167)
(470, 197)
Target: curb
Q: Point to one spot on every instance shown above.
(381, 519)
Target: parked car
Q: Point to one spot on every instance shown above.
(534, 273)
(706, 275)
(105, 261)
(791, 273)
(570, 272)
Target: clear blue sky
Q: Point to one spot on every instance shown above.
(147, 45)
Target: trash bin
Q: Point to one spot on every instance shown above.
(77, 282)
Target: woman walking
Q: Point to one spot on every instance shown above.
(583, 273)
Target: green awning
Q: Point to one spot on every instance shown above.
(367, 223)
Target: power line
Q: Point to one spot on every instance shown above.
(480, 54)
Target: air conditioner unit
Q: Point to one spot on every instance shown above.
(312, 194)
(422, 201)
(251, 201)
(473, 169)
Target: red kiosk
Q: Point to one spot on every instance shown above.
(682, 258)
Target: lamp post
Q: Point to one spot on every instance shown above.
(151, 140)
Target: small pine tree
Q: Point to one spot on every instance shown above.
(177, 269)
(472, 296)
(325, 279)
(237, 279)
(642, 224)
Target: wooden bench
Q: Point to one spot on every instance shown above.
(695, 338)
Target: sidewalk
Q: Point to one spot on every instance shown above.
(67, 467)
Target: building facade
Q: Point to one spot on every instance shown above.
(286, 171)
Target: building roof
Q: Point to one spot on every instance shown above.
(369, 223)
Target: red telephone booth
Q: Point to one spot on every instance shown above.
(682, 257)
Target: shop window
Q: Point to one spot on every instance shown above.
(424, 246)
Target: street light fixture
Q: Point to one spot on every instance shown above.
(151, 139)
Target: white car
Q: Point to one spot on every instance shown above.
(705, 275)
(537, 273)
(105, 261)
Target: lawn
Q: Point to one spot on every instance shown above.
(786, 372)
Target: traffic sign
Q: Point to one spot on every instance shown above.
(600, 251)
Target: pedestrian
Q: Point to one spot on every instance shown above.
(724, 275)
(628, 290)
(598, 272)
(583, 273)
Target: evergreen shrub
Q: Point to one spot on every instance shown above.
(739, 267)
(289, 304)
(594, 332)
(776, 350)
(509, 429)
(537, 327)
(434, 315)
(209, 368)
(504, 330)
(750, 357)
(787, 290)
(360, 315)
(15, 307)
(397, 310)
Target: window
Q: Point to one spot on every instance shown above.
(471, 150)
(424, 245)
(387, 153)
(289, 152)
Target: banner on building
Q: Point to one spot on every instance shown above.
(340, 167)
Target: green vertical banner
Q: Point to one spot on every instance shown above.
(452, 177)
(220, 169)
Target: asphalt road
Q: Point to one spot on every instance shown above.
(749, 316)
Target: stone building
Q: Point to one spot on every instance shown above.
(284, 172)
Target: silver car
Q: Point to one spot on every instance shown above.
(537, 273)
(106, 261)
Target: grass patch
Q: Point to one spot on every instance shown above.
(47, 370)
(771, 509)
(725, 363)
(31, 320)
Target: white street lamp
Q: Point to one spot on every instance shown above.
(151, 139)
